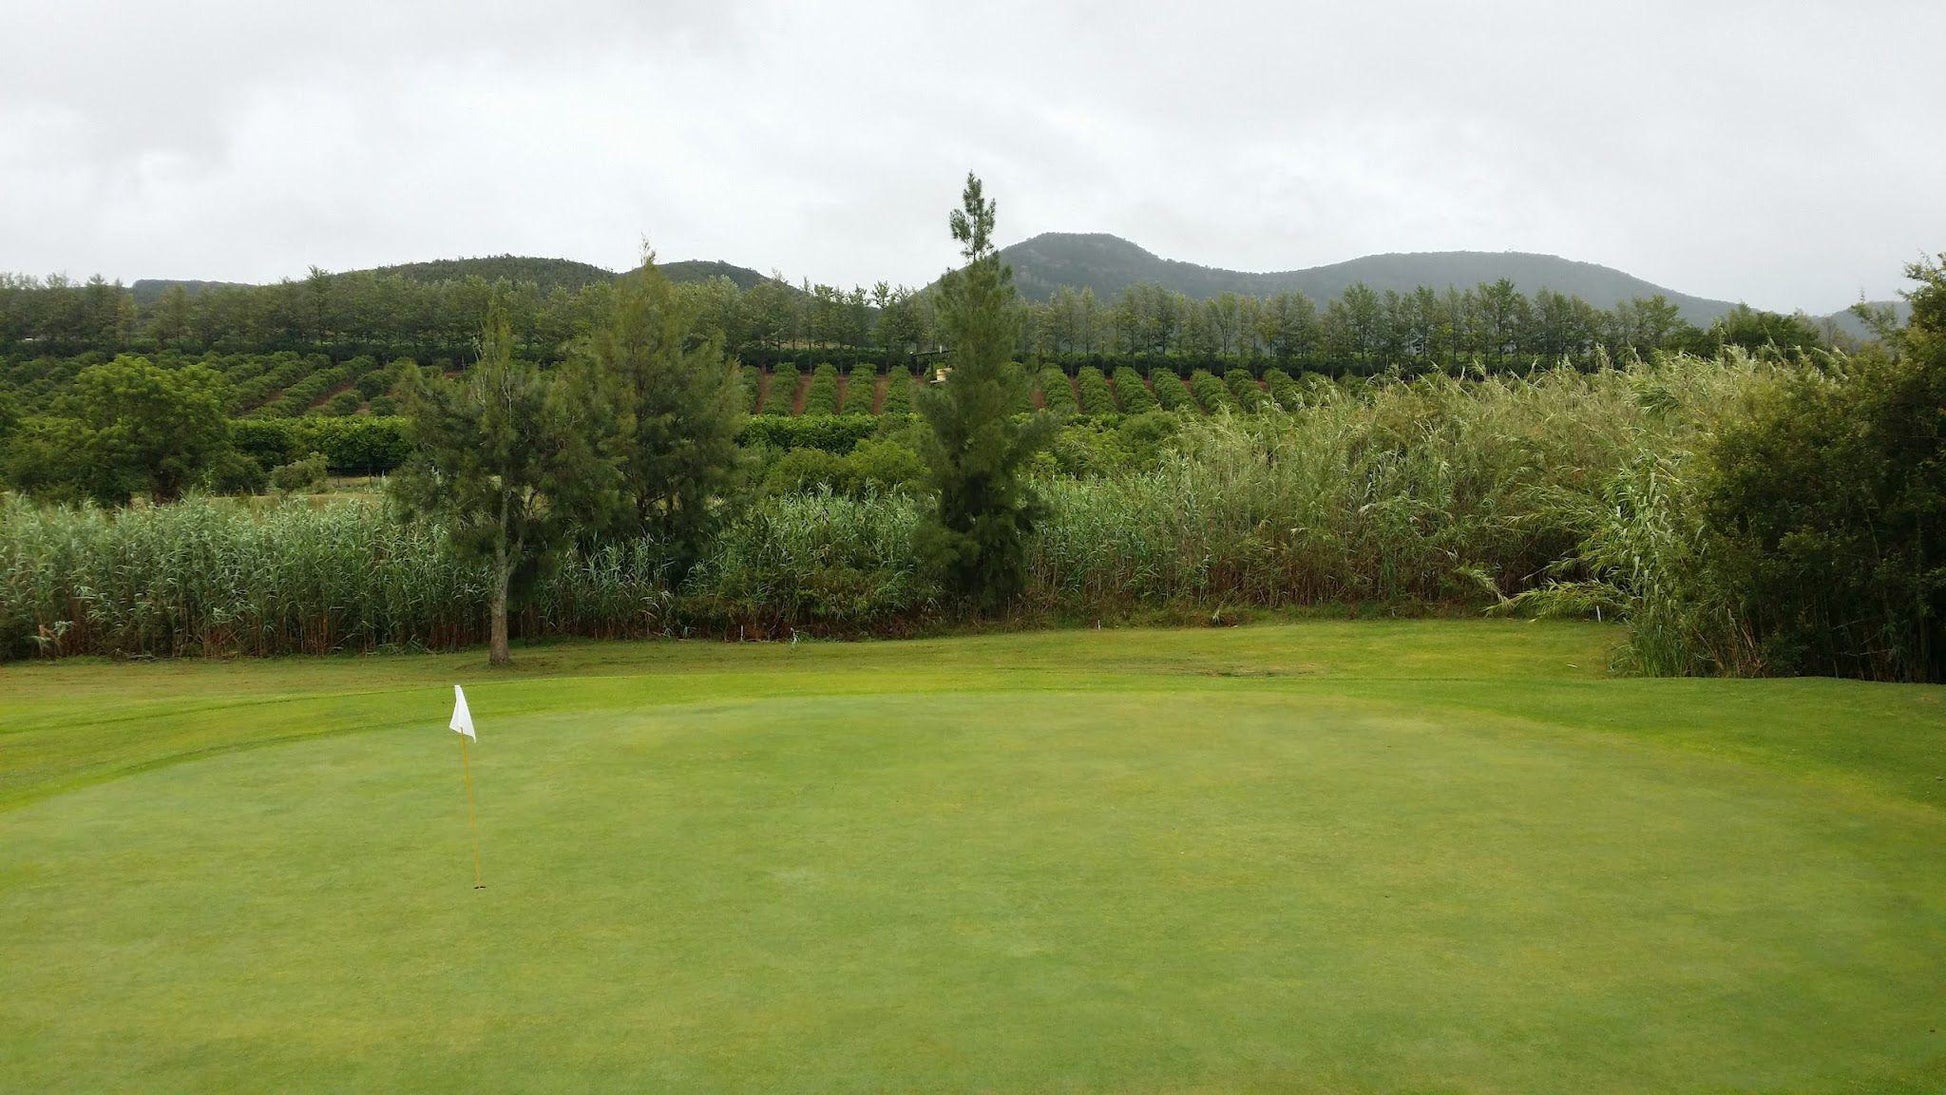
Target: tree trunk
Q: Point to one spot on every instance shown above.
(502, 573)
(499, 654)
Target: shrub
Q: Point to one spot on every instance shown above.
(822, 396)
(343, 404)
(748, 384)
(800, 470)
(1096, 396)
(898, 391)
(366, 445)
(1826, 519)
(885, 465)
(780, 393)
(268, 441)
(1057, 392)
(837, 434)
(1131, 394)
(299, 475)
(1170, 394)
(1244, 387)
(1283, 390)
(232, 472)
(1023, 393)
(1211, 394)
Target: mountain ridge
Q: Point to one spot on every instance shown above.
(1108, 264)
(548, 273)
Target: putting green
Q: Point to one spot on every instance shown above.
(1323, 857)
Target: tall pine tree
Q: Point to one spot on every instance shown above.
(511, 459)
(977, 449)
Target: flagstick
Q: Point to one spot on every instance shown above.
(472, 821)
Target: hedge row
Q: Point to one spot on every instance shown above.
(1057, 392)
(1095, 394)
(1211, 394)
(822, 396)
(1244, 386)
(832, 433)
(1133, 395)
(351, 446)
(1170, 394)
(780, 392)
(898, 391)
(1283, 389)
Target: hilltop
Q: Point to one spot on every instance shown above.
(548, 273)
(1108, 264)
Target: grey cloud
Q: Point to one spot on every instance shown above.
(1777, 152)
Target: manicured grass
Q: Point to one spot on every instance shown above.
(1370, 856)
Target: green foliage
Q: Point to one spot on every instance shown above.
(878, 465)
(342, 404)
(1022, 386)
(898, 391)
(1800, 533)
(232, 472)
(836, 434)
(299, 476)
(1169, 392)
(1133, 395)
(1826, 518)
(131, 427)
(821, 397)
(300, 396)
(1057, 392)
(1211, 394)
(677, 411)
(1748, 329)
(365, 445)
(805, 469)
(511, 460)
(1435, 490)
(976, 538)
(886, 464)
(780, 390)
(748, 381)
(1095, 394)
(1284, 391)
(1244, 387)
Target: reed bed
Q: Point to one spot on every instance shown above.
(1463, 493)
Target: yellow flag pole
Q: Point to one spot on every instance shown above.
(472, 819)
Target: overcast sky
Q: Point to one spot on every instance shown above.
(1787, 154)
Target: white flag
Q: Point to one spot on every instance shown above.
(462, 718)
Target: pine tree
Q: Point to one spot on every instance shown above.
(510, 459)
(978, 449)
(679, 408)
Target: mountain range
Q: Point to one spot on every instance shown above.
(1108, 264)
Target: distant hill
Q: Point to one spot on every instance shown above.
(692, 270)
(1853, 326)
(549, 274)
(1108, 264)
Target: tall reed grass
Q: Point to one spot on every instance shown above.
(1536, 492)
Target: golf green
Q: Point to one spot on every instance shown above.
(1336, 857)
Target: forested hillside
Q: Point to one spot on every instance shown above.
(1109, 264)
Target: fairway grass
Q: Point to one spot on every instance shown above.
(1439, 856)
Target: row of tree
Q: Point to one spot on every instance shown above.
(1361, 330)
(634, 435)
